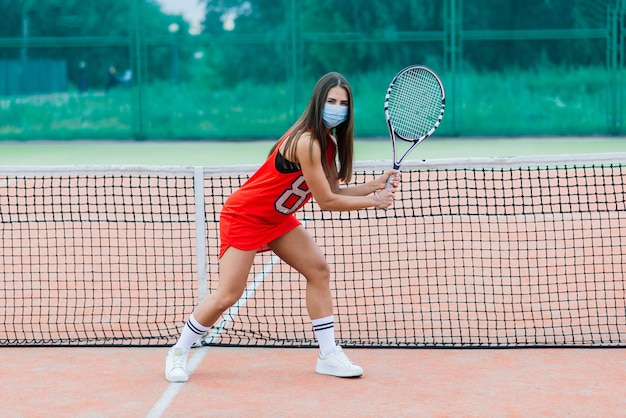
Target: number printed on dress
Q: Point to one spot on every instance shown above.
(292, 198)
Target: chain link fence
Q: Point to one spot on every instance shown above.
(125, 70)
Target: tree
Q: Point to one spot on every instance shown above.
(99, 34)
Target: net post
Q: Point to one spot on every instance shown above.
(201, 250)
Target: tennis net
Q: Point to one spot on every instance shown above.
(476, 253)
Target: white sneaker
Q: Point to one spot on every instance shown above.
(337, 364)
(176, 365)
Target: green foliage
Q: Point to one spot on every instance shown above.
(556, 101)
(253, 80)
(103, 22)
(519, 102)
(326, 31)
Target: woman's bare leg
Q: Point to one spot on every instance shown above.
(234, 269)
(298, 249)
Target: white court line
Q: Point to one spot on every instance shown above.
(199, 353)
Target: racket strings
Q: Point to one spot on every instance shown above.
(415, 104)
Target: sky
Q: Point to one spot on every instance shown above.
(191, 10)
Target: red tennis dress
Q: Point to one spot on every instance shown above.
(263, 208)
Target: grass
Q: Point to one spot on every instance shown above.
(215, 153)
(553, 101)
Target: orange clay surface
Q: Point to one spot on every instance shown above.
(273, 382)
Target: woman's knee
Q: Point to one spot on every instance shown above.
(220, 300)
(320, 273)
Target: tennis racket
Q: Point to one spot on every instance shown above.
(414, 107)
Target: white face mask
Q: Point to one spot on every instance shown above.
(333, 115)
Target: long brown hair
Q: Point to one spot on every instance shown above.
(311, 120)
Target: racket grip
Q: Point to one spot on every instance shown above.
(388, 185)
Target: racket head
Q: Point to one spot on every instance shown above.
(414, 104)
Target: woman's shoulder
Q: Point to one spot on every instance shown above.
(307, 139)
(307, 145)
(306, 136)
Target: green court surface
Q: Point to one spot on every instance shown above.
(215, 153)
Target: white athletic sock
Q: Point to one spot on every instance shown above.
(325, 332)
(191, 332)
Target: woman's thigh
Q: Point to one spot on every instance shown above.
(234, 269)
(298, 249)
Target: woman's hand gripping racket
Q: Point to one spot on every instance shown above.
(414, 107)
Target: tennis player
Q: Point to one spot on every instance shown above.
(314, 158)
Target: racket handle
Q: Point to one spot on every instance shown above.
(388, 185)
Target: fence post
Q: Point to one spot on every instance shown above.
(137, 59)
(621, 47)
(615, 63)
(453, 43)
(294, 46)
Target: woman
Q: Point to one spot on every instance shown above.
(259, 216)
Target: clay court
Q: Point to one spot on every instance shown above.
(281, 382)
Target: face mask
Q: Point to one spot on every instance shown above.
(333, 115)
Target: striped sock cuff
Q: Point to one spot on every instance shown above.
(325, 333)
(323, 323)
(195, 327)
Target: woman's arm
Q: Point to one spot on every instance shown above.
(371, 186)
(327, 192)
